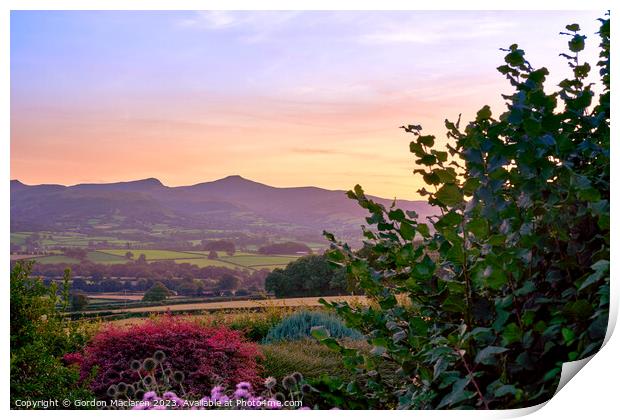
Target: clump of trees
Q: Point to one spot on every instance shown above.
(157, 293)
(77, 253)
(285, 248)
(514, 279)
(79, 300)
(307, 276)
(221, 245)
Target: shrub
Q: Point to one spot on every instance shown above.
(519, 282)
(208, 356)
(39, 338)
(300, 324)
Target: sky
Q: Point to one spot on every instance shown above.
(284, 98)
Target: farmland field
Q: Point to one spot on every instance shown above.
(205, 262)
(57, 259)
(151, 254)
(239, 304)
(255, 260)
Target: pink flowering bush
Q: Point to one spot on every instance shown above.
(208, 356)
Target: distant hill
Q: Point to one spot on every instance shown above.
(231, 202)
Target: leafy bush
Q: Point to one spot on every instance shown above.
(299, 325)
(519, 281)
(39, 338)
(207, 356)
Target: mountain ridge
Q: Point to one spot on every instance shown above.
(229, 201)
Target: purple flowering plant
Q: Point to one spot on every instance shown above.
(161, 388)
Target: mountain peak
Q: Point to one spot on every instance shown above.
(233, 178)
(148, 181)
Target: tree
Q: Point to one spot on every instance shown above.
(213, 255)
(285, 248)
(79, 301)
(307, 276)
(228, 282)
(157, 293)
(511, 280)
(221, 245)
(129, 255)
(188, 288)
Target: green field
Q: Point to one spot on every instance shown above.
(255, 260)
(205, 262)
(57, 259)
(53, 246)
(151, 254)
(105, 258)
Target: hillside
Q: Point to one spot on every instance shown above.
(228, 203)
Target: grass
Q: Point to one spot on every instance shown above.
(19, 238)
(308, 357)
(249, 260)
(152, 254)
(57, 259)
(205, 262)
(234, 304)
(105, 258)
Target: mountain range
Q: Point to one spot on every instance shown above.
(228, 203)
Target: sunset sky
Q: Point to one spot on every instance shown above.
(283, 98)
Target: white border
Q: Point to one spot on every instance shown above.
(592, 394)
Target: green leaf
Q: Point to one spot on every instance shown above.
(446, 175)
(331, 343)
(512, 333)
(427, 140)
(485, 356)
(505, 390)
(397, 215)
(424, 230)
(407, 231)
(458, 393)
(484, 113)
(577, 43)
(416, 148)
(552, 374)
(449, 195)
(319, 332)
(601, 268)
(427, 160)
(568, 335)
(479, 227)
(471, 185)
